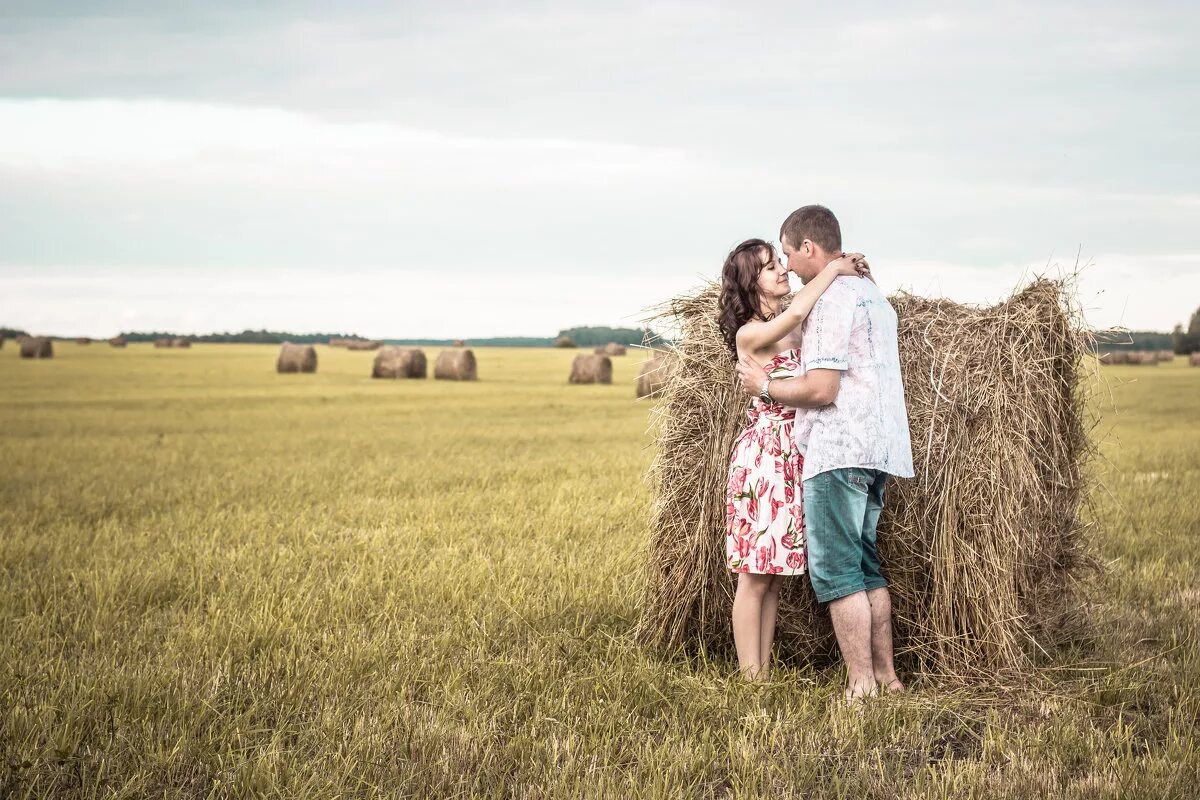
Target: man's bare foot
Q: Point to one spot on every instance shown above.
(892, 685)
(859, 691)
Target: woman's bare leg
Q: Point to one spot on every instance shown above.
(766, 635)
(747, 622)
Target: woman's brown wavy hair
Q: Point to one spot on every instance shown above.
(739, 301)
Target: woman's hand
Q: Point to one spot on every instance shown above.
(851, 264)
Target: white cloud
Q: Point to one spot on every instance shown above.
(207, 142)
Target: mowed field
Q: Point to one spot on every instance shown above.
(216, 581)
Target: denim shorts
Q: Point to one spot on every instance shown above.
(841, 513)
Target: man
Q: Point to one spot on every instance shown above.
(853, 432)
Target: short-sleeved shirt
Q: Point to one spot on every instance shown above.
(853, 329)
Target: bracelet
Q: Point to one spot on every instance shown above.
(764, 393)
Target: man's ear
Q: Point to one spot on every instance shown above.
(807, 248)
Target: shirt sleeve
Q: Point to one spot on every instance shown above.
(827, 332)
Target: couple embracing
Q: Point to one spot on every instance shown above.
(826, 427)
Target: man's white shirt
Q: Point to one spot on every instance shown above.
(852, 328)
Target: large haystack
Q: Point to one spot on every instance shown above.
(591, 368)
(983, 548)
(296, 358)
(36, 347)
(455, 365)
(652, 376)
(399, 362)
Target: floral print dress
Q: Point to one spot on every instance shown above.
(764, 512)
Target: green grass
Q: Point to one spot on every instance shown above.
(221, 582)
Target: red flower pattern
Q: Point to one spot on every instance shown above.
(764, 508)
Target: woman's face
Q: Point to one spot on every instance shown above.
(773, 279)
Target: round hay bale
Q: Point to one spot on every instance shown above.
(614, 349)
(1194, 360)
(363, 344)
(179, 341)
(296, 358)
(117, 341)
(36, 347)
(1166, 356)
(399, 362)
(459, 343)
(984, 549)
(164, 342)
(1143, 358)
(565, 341)
(455, 365)
(652, 376)
(591, 368)
(82, 340)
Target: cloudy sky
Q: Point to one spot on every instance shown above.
(474, 169)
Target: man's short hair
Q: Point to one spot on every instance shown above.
(816, 223)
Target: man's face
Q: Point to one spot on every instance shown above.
(798, 260)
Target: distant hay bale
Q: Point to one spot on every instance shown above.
(164, 342)
(983, 549)
(1194, 360)
(1143, 358)
(361, 344)
(296, 358)
(455, 365)
(459, 343)
(118, 341)
(179, 341)
(1166, 356)
(652, 376)
(399, 362)
(614, 349)
(82, 340)
(565, 341)
(591, 368)
(36, 347)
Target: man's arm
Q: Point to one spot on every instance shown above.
(816, 388)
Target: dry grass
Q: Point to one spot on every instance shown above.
(215, 583)
(984, 549)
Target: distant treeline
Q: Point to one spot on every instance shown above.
(584, 337)
(1133, 340)
(12, 333)
(495, 341)
(1181, 341)
(590, 337)
(245, 337)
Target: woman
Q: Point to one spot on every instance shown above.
(763, 506)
